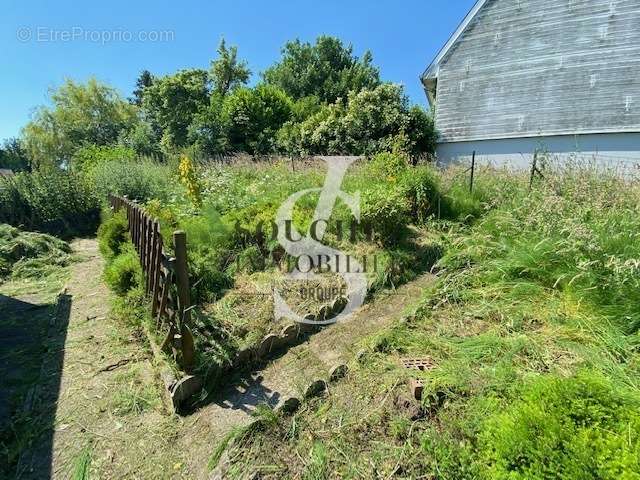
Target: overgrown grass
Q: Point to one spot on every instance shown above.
(235, 261)
(532, 330)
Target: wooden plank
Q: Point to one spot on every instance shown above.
(143, 243)
(156, 270)
(165, 282)
(149, 251)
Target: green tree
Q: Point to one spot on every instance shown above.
(227, 72)
(208, 131)
(171, 103)
(143, 139)
(421, 131)
(81, 114)
(328, 70)
(252, 118)
(145, 80)
(13, 156)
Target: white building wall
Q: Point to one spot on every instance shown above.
(620, 151)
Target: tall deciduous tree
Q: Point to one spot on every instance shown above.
(81, 114)
(227, 72)
(171, 103)
(246, 120)
(327, 70)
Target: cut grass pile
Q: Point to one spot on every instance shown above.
(532, 330)
(29, 255)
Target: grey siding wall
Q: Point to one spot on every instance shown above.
(527, 68)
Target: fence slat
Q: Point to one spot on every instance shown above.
(156, 270)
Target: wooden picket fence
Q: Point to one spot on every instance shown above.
(166, 280)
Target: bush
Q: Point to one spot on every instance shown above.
(124, 273)
(253, 116)
(52, 201)
(578, 427)
(389, 165)
(208, 280)
(141, 180)
(88, 157)
(370, 121)
(249, 260)
(386, 211)
(112, 235)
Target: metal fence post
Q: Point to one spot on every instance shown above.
(473, 170)
(534, 168)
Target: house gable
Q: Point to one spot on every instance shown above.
(528, 68)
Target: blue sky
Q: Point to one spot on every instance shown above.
(44, 42)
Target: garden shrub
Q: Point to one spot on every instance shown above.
(249, 260)
(51, 201)
(112, 235)
(140, 180)
(132, 308)
(124, 273)
(86, 158)
(252, 225)
(389, 165)
(206, 230)
(208, 278)
(578, 427)
(387, 212)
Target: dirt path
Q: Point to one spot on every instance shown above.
(289, 374)
(106, 419)
(92, 400)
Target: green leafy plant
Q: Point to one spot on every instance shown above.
(140, 180)
(113, 235)
(124, 273)
(566, 428)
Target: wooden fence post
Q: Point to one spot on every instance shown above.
(184, 300)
